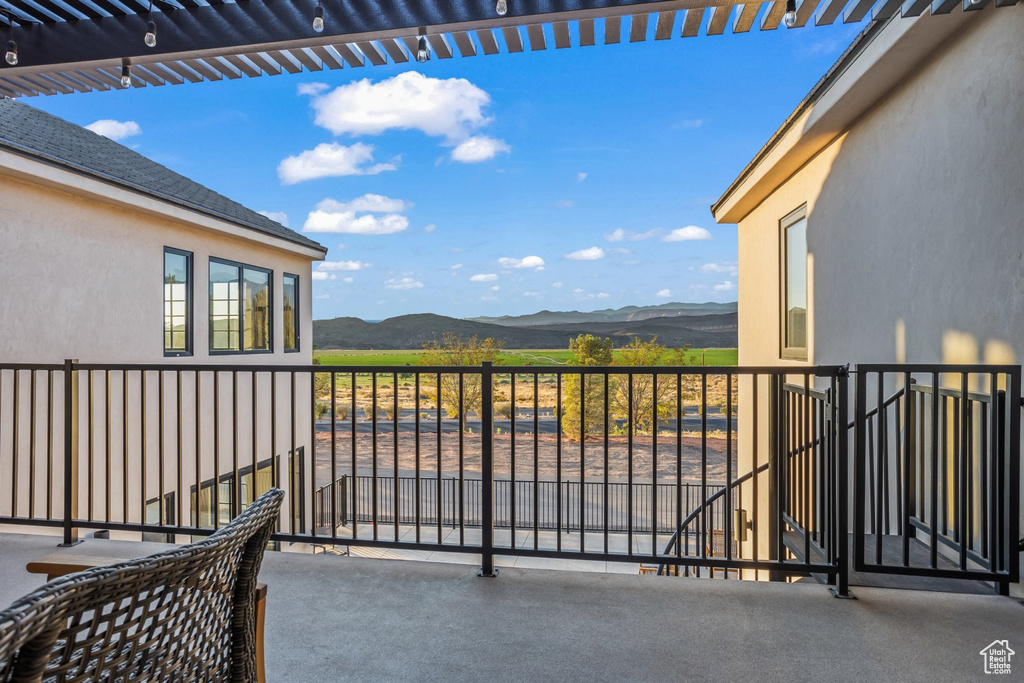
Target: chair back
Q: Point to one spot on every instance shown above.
(187, 614)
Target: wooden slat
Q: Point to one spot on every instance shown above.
(351, 57)
(829, 11)
(306, 59)
(242, 65)
(638, 28)
(562, 39)
(666, 20)
(26, 12)
(104, 75)
(27, 87)
(268, 67)
(223, 67)
(513, 40)
(205, 70)
(440, 45)
(184, 72)
(372, 52)
(465, 44)
(73, 83)
(885, 9)
(59, 564)
(412, 44)
(746, 18)
(692, 22)
(587, 37)
(945, 6)
(110, 8)
(164, 74)
(329, 58)
(914, 8)
(804, 12)
(719, 20)
(284, 61)
(140, 73)
(83, 9)
(397, 54)
(93, 80)
(773, 17)
(9, 90)
(487, 41)
(612, 30)
(857, 11)
(537, 39)
(57, 10)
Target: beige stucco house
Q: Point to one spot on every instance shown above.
(884, 221)
(112, 259)
(108, 256)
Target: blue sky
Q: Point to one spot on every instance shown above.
(565, 179)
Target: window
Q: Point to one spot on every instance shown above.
(291, 312)
(240, 307)
(177, 302)
(794, 285)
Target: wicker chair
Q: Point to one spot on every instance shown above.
(187, 614)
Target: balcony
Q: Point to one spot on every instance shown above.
(788, 479)
(335, 618)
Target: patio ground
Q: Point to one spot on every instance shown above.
(333, 618)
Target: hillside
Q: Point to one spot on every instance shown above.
(412, 331)
(609, 315)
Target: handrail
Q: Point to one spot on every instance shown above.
(700, 508)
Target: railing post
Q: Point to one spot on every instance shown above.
(776, 449)
(842, 588)
(487, 470)
(70, 452)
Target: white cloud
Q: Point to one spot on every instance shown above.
(578, 290)
(535, 262)
(278, 216)
(348, 279)
(495, 288)
(450, 108)
(690, 232)
(429, 228)
(403, 283)
(664, 294)
(591, 254)
(479, 148)
(320, 275)
(329, 159)
(372, 203)
(342, 265)
(603, 295)
(727, 286)
(115, 130)
(323, 296)
(580, 177)
(618, 235)
(727, 267)
(565, 203)
(312, 88)
(483, 277)
(556, 284)
(333, 216)
(456, 266)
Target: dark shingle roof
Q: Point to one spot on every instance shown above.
(34, 133)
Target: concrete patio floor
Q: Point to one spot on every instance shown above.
(333, 618)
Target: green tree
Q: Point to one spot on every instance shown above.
(642, 398)
(453, 350)
(589, 351)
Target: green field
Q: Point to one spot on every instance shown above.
(538, 357)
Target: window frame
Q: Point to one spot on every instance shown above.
(797, 353)
(189, 303)
(241, 309)
(295, 314)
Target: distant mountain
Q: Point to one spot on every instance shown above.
(412, 331)
(608, 315)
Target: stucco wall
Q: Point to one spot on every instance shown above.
(82, 279)
(915, 221)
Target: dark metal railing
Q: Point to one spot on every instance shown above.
(548, 494)
(937, 471)
(607, 463)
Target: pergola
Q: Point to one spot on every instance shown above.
(64, 46)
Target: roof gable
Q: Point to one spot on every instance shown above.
(42, 136)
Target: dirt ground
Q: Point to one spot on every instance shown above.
(544, 451)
